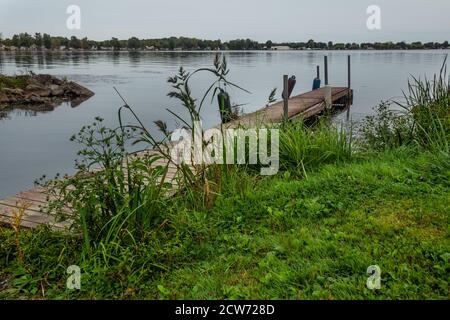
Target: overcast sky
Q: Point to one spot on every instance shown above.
(281, 20)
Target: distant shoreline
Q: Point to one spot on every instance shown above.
(210, 51)
(45, 41)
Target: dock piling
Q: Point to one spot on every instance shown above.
(285, 97)
(349, 72)
(327, 97)
(326, 69)
(349, 83)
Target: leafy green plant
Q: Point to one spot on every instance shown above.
(113, 193)
(387, 129)
(423, 118)
(428, 103)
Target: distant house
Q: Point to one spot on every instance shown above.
(151, 48)
(281, 48)
(62, 48)
(2, 47)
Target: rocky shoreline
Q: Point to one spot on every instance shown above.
(40, 91)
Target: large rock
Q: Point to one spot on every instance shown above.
(13, 91)
(8, 95)
(46, 79)
(44, 89)
(38, 90)
(76, 91)
(3, 98)
(56, 90)
(33, 98)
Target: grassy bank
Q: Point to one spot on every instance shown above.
(275, 238)
(336, 207)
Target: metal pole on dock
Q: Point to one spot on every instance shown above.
(318, 72)
(285, 97)
(326, 69)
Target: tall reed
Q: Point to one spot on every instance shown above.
(304, 148)
(423, 118)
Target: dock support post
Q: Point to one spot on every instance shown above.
(326, 69)
(328, 101)
(318, 72)
(349, 73)
(285, 97)
(349, 86)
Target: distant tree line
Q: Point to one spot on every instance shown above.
(45, 41)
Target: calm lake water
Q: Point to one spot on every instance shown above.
(32, 144)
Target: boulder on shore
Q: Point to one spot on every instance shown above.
(40, 90)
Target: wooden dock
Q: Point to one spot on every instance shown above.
(32, 203)
(305, 105)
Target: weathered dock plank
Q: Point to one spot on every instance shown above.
(30, 218)
(306, 105)
(34, 202)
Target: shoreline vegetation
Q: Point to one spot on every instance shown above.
(337, 206)
(45, 42)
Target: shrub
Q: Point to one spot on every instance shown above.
(423, 118)
(113, 192)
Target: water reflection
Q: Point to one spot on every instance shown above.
(115, 56)
(8, 114)
(3, 115)
(40, 60)
(31, 110)
(134, 58)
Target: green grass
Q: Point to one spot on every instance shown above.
(304, 148)
(13, 82)
(276, 237)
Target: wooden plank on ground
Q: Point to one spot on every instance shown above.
(30, 216)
